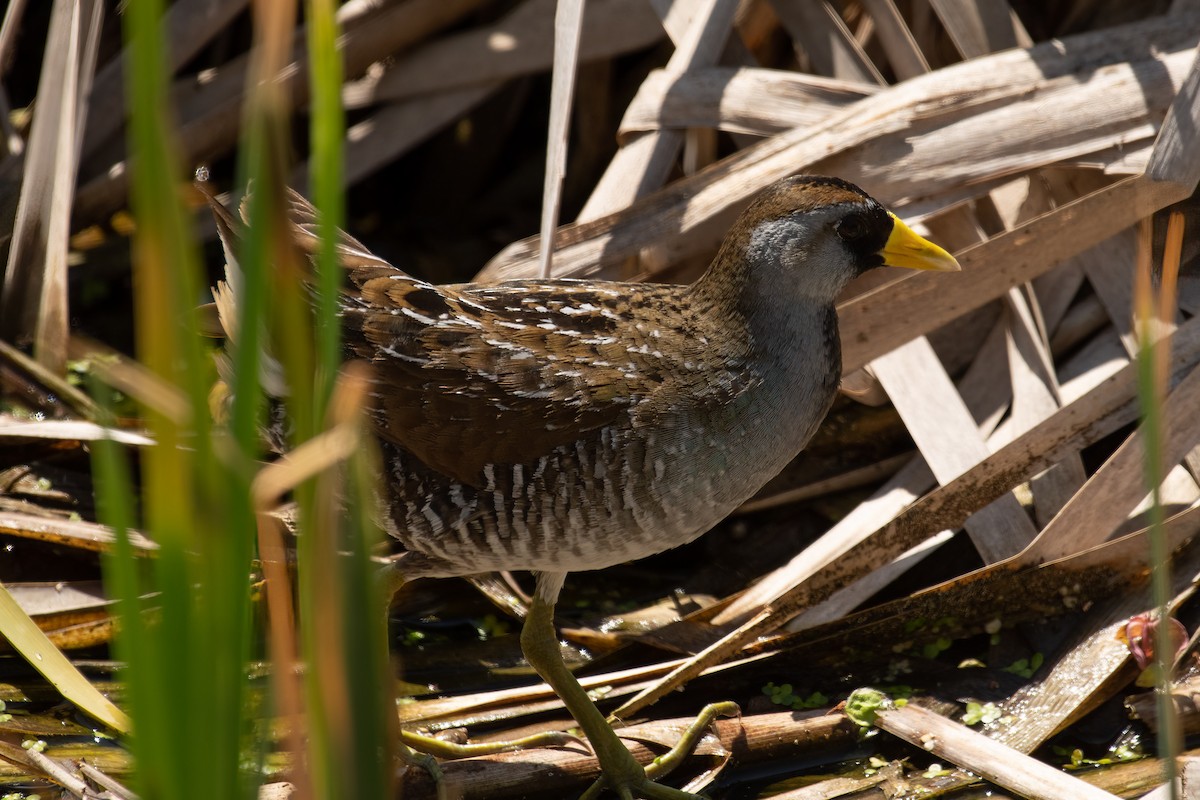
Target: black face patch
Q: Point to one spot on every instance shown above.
(865, 230)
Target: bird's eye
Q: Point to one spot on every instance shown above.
(852, 227)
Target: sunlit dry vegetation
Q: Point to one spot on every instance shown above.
(972, 530)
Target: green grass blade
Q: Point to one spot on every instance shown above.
(187, 659)
(328, 130)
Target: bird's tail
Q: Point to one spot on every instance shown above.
(220, 318)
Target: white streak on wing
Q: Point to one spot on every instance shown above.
(394, 353)
(509, 347)
(408, 312)
(582, 308)
(462, 300)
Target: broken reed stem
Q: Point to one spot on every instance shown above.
(1151, 323)
(1172, 254)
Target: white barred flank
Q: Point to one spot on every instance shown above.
(600, 501)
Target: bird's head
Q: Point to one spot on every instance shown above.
(812, 235)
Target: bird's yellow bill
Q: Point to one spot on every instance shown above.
(906, 249)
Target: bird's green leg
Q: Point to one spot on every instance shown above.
(621, 773)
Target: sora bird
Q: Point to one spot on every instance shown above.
(566, 425)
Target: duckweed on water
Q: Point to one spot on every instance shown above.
(1025, 667)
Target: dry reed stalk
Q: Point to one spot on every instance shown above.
(908, 141)
(69, 533)
(993, 761)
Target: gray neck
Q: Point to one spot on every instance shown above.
(785, 295)
(780, 279)
(797, 366)
(789, 284)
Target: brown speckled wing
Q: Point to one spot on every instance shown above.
(462, 383)
(479, 375)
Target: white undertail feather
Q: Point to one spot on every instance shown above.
(225, 297)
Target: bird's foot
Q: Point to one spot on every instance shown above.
(636, 788)
(630, 781)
